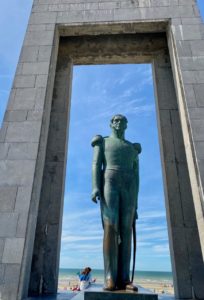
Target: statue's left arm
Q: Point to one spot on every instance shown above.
(138, 149)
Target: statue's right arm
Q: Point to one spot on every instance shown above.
(138, 149)
(97, 144)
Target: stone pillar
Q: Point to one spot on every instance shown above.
(185, 246)
(45, 261)
(22, 146)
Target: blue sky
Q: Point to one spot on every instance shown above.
(98, 93)
(104, 91)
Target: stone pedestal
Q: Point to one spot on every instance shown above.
(118, 295)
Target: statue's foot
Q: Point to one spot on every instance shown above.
(110, 286)
(131, 287)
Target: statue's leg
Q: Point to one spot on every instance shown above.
(109, 207)
(127, 209)
(110, 253)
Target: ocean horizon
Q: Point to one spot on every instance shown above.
(162, 276)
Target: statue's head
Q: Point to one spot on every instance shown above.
(119, 123)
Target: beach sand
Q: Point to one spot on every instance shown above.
(157, 287)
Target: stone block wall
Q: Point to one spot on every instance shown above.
(23, 134)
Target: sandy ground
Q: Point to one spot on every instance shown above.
(158, 287)
(155, 286)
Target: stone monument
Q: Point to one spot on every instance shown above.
(33, 139)
(115, 183)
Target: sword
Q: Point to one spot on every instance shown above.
(134, 249)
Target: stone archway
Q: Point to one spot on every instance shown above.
(126, 47)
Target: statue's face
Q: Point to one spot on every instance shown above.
(119, 123)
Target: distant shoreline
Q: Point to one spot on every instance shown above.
(166, 275)
(101, 270)
(157, 281)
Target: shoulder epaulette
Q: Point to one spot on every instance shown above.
(137, 147)
(97, 140)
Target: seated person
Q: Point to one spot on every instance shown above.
(85, 279)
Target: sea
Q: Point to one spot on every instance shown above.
(165, 277)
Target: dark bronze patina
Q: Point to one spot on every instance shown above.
(115, 184)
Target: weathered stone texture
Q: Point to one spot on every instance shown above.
(22, 151)
(11, 277)
(190, 95)
(22, 225)
(15, 115)
(196, 113)
(29, 54)
(199, 93)
(197, 48)
(41, 81)
(39, 99)
(23, 198)
(35, 68)
(23, 99)
(38, 38)
(2, 270)
(35, 115)
(16, 172)
(197, 125)
(28, 131)
(24, 81)
(44, 53)
(2, 136)
(3, 150)
(2, 243)
(13, 250)
(7, 198)
(8, 224)
(199, 148)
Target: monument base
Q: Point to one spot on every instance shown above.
(118, 295)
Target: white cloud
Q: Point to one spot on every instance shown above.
(82, 247)
(153, 214)
(109, 110)
(78, 238)
(157, 236)
(146, 227)
(76, 216)
(141, 244)
(161, 249)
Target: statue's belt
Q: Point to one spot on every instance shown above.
(118, 168)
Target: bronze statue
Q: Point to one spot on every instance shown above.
(115, 184)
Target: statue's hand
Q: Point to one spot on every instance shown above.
(96, 195)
